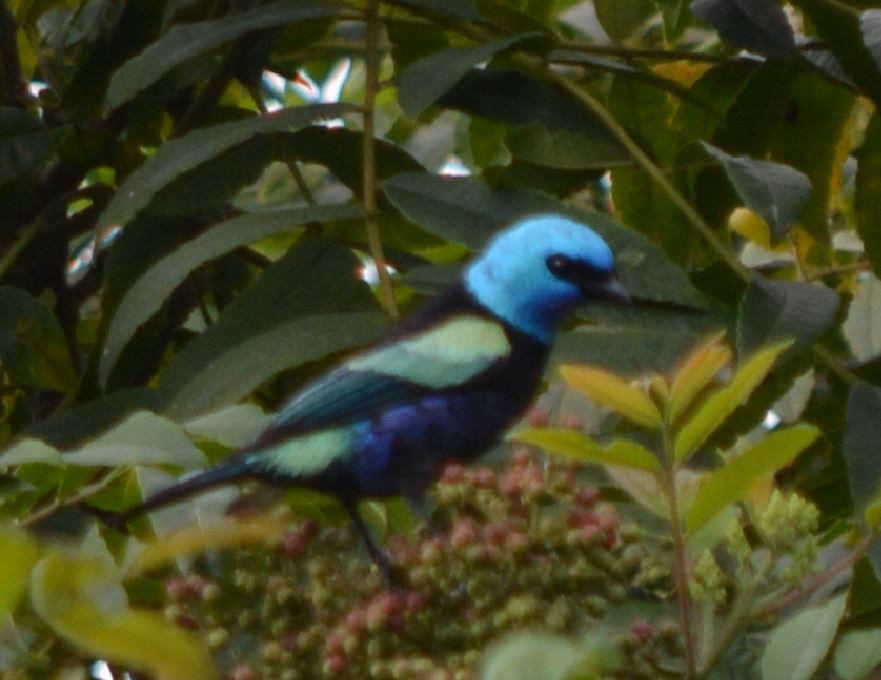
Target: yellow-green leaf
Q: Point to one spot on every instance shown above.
(722, 403)
(608, 389)
(580, 446)
(82, 599)
(733, 482)
(696, 373)
(872, 514)
(19, 556)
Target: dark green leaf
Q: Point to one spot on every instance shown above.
(810, 141)
(33, 348)
(563, 149)
(862, 443)
(867, 202)
(25, 143)
(144, 296)
(463, 9)
(773, 310)
(756, 25)
(181, 155)
(305, 306)
(838, 25)
(774, 191)
(621, 18)
(426, 80)
(185, 41)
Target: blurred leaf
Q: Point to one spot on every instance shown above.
(540, 656)
(867, 200)
(582, 447)
(609, 390)
(862, 443)
(862, 327)
(226, 533)
(25, 143)
(427, 79)
(184, 41)
(178, 156)
(82, 600)
(752, 24)
(798, 645)
(31, 451)
(234, 426)
(305, 306)
(33, 348)
(858, 653)
(20, 555)
(341, 150)
(840, 27)
(520, 99)
(463, 9)
(734, 480)
(779, 309)
(714, 411)
(700, 367)
(563, 149)
(145, 295)
(775, 191)
(814, 139)
(464, 210)
(621, 18)
(141, 439)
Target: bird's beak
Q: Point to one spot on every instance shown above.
(610, 290)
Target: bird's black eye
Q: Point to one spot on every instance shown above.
(557, 264)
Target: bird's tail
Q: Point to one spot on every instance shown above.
(225, 474)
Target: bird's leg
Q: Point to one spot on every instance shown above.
(378, 555)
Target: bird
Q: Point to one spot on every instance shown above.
(443, 386)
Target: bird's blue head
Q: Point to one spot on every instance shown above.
(538, 270)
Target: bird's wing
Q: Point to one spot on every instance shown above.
(443, 356)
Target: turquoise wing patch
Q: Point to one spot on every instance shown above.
(307, 454)
(444, 356)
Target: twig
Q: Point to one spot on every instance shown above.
(371, 79)
(104, 478)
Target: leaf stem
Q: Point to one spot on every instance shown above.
(371, 86)
(680, 559)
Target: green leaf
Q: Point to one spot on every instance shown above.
(25, 143)
(609, 390)
(33, 348)
(30, 450)
(621, 18)
(700, 367)
(464, 210)
(861, 447)
(862, 327)
(798, 645)
(563, 149)
(839, 26)
(723, 402)
(427, 79)
(811, 141)
(771, 310)
(185, 41)
(143, 438)
(305, 306)
(178, 156)
(579, 446)
(20, 555)
(867, 200)
(858, 653)
(82, 600)
(774, 191)
(463, 9)
(145, 296)
(752, 24)
(537, 656)
(733, 481)
(234, 426)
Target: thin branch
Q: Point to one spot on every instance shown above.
(374, 240)
(103, 480)
(651, 54)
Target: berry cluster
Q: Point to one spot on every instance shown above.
(528, 546)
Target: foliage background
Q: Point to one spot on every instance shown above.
(201, 196)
